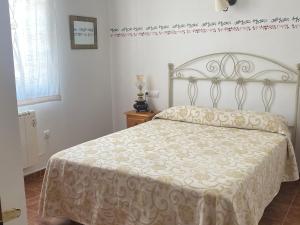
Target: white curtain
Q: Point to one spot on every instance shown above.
(35, 50)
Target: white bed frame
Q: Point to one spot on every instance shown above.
(241, 69)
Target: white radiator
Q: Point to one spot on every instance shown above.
(29, 142)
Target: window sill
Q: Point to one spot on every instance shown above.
(39, 100)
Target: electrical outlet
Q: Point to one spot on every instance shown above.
(46, 134)
(153, 94)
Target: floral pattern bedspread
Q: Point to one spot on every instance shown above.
(174, 170)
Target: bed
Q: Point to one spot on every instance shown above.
(190, 165)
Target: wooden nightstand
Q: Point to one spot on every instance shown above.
(134, 118)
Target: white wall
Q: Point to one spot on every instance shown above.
(11, 178)
(85, 110)
(150, 55)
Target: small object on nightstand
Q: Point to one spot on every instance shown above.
(141, 104)
(134, 118)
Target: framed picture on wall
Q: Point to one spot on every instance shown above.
(83, 32)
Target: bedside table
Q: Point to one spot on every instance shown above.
(134, 118)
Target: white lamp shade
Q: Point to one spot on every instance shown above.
(221, 5)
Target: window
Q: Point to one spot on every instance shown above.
(35, 50)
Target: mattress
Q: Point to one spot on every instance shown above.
(173, 170)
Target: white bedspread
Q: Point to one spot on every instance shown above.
(169, 172)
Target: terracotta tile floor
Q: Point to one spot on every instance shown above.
(33, 186)
(284, 210)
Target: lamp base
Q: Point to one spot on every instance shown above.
(141, 106)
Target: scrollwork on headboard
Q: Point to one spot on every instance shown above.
(239, 68)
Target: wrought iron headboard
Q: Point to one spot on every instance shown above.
(239, 68)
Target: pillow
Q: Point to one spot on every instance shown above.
(227, 118)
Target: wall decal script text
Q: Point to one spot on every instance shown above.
(247, 25)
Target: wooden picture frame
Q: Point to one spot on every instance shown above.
(83, 32)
